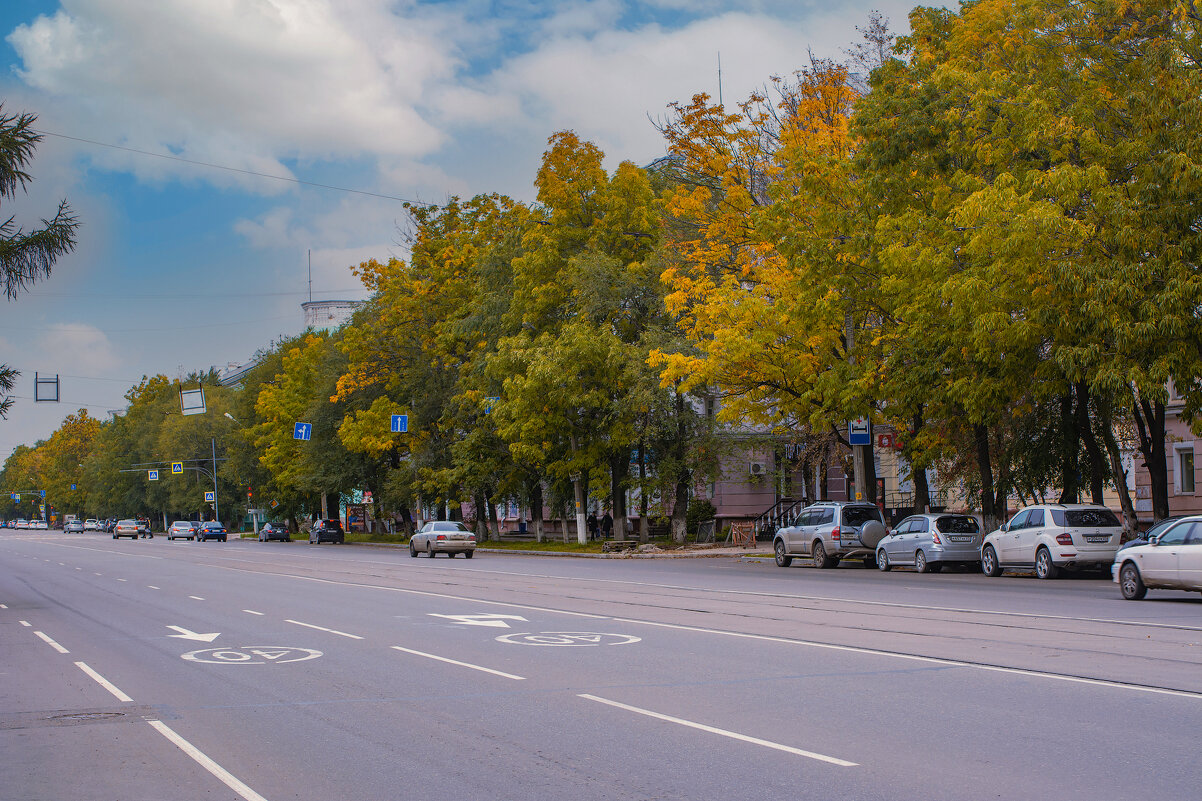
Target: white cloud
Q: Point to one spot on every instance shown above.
(75, 347)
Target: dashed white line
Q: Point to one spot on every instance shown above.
(122, 579)
(97, 574)
(228, 779)
(103, 682)
(51, 643)
(323, 628)
(252, 612)
(3, 606)
(24, 623)
(724, 732)
(151, 586)
(461, 664)
(196, 598)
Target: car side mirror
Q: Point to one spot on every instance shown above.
(1005, 527)
(1154, 539)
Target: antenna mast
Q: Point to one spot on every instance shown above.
(310, 254)
(720, 79)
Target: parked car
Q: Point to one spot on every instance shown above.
(929, 541)
(326, 531)
(212, 530)
(74, 527)
(41, 525)
(1156, 528)
(1053, 536)
(182, 529)
(274, 531)
(126, 528)
(828, 531)
(1171, 559)
(443, 536)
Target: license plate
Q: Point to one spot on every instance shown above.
(1097, 539)
(960, 539)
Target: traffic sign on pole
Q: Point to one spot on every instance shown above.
(302, 431)
(177, 468)
(210, 496)
(154, 475)
(859, 432)
(400, 423)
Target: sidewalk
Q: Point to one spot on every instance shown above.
(650, 552)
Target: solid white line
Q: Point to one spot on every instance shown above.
(461, 664)
(52, 643)
(323, 628)
(228, 779)
(103, 682)
(932, 660)
(24, 623)
(196, 598)
(252, 612)
(725, 733)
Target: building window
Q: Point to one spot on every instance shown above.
(1185, 471)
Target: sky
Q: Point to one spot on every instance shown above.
(351, 107)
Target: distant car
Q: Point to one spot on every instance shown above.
(326, 531)
(930, 541)
(1171, 560)
(91, 524)
(274, 531)
(73, 527)
(443, 536)
(126, 528)
(182, 529)
(1052, 536)
(212, 530)
(40, 524)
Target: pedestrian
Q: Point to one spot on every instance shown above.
(607, 526)
(592, 526)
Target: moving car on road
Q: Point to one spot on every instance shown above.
(1171, 559)
(1053, 536)
(274, 531)
(212, 530)
(327, 531)
(443, 536)
(91, 524)
(929, 541)
(74, 527)
(829, 531)
(126, 528)
(182, 529)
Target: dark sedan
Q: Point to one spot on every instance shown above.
(211, 530)
(274, 531)
(326, 531)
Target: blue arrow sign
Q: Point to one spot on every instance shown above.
(400, 423)
(73, 488)
(302, 431)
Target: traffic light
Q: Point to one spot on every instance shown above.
(249, 493)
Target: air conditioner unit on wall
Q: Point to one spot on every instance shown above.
(757, 468)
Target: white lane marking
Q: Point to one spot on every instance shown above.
(3, 606)
(931, 660)
(97, 574)
(323, 628)
(79, 568)
(122, 579)
(495, 621)
(24, 623)
(228, 779)
(103, 682)
(724, 732)
(461, 664)
(51, 643)
(151, 586)
(252, 612)
(188, 634)
(196, 598)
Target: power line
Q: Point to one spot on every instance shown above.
(153, 330)
(231, 169)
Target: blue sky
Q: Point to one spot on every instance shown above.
(181, 267)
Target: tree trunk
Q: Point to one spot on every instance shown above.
(918, 475)
(619, 469)
(536, 509)
(1097, 462)
(644, 523)
(680, 508)
(989, 514)
(1070, 446)
(496, 523)
(481, 515)
(1106, 423)
(1150, 420)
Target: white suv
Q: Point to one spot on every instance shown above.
(829, 531)
(1052, 536)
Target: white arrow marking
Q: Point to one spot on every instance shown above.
(496, 621)
(185, 634)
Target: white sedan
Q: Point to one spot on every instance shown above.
(1172, 560)
(443, 536)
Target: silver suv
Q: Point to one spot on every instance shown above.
(829, 531)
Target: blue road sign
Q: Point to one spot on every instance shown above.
(177, 468)
(302, 431)
(73, 488)
(42, 493)
(154, 475)
(16, 496)
(400, 423)
(859, 432)
(210, 496)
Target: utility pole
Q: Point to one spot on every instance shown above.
(216, 508)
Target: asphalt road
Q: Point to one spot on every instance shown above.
(151, 669)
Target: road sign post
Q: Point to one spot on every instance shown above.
(177, 468)
(302, 431)
(400, 423)
(153, 475)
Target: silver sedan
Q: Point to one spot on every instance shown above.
(443, 536)
(929, 541)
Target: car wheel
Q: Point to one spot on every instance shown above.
(920, 562)
(468, 554)
(430, 550)
(782, 557)
(821, 560)
(989, 564)
(1130, 583)
(1044, 567)
(450, 554)
(882, 561)
(412, 551)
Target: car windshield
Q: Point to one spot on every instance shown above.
(1084, 518)
(859, 515)
(958, 524)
